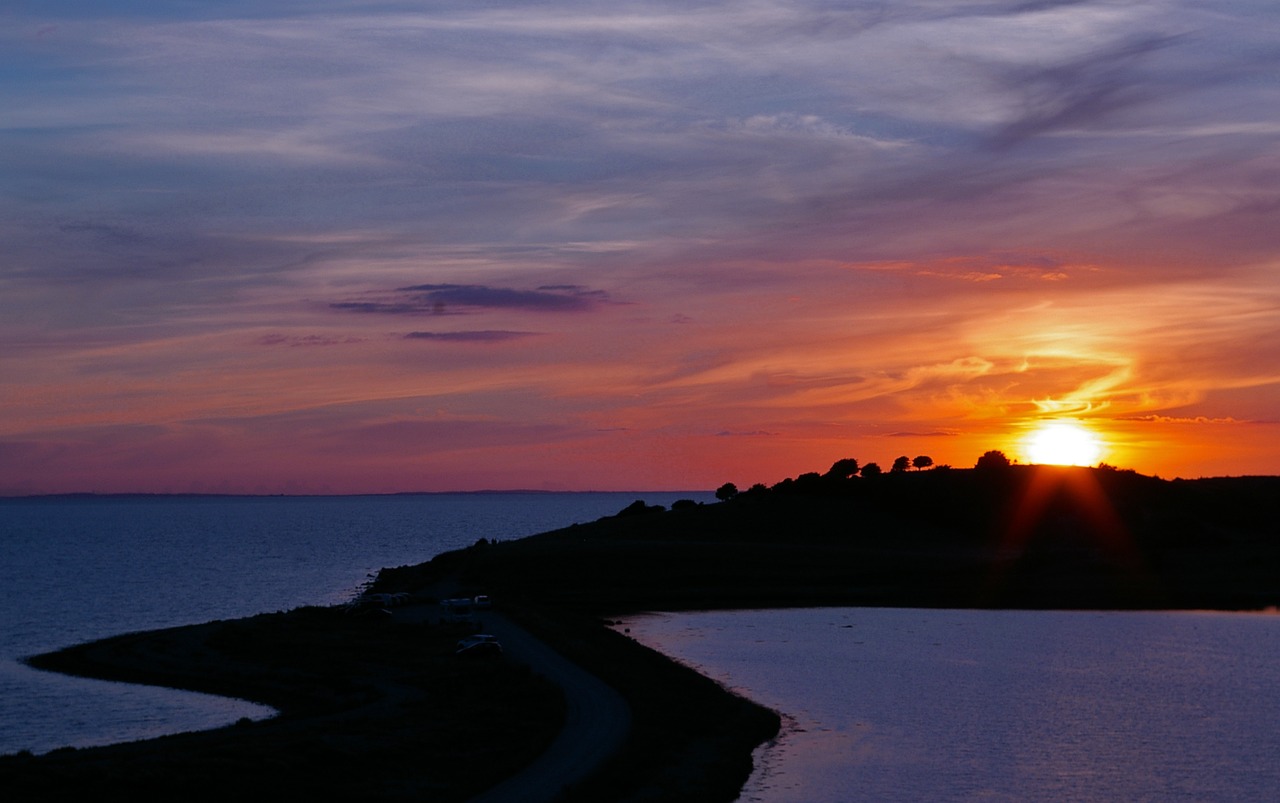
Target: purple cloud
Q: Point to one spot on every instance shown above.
(304, 340)
(379, 307)
(548, 298)
(483, 336)
(460, 299)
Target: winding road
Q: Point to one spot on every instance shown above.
(597, 719)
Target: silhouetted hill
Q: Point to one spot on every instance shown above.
(1017, 536)
(1001, 536)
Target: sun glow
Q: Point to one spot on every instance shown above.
(1063, 443)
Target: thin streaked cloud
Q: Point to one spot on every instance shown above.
(639, 226)
(483, 336)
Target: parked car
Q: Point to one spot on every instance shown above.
(481, 644)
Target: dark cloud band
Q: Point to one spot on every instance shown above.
(483, 336)
(446, 299)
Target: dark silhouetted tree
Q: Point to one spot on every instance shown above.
(843, 469)
(922, 461)
(872, 470)
(900, 464)
(726, 492)
(993, 460)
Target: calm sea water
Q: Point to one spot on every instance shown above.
(910, 705)
(73, 570)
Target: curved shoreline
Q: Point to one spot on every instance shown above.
(1161, 545)
(369, 709)
(692, 739)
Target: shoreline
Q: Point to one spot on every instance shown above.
(822, 542)
(691, 737)
(695, 739)
(363, 713)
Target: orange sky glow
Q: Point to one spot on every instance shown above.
(268, 248)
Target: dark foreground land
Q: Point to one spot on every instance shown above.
(373, 709)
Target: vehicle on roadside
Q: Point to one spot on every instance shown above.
(480, 644)
(377, 605)
(459, 609)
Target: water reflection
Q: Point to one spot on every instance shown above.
(890, 704)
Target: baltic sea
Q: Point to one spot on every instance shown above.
(78, 569)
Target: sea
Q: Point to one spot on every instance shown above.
(961, 705)
(878, 704)
(75, 569)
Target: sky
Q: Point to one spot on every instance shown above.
(359, 247)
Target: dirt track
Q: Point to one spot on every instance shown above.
(597, 719)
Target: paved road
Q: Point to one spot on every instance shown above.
(597, 719)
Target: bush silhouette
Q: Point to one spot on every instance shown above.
(993, 460)
(843, 469)
(726, 491)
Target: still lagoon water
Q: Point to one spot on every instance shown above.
(73, 570)
(946, 705)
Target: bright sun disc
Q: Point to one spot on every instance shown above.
(1063, 444)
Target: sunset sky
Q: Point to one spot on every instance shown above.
(295, 247)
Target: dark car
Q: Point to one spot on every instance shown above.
(481, 644)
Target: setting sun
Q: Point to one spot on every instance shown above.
(1063, 443)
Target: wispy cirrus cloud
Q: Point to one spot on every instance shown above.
(1199, 419)
(278, 339)
(923, 435)
(1086, 93)
(820, 221)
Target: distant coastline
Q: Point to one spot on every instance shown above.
(72, 496)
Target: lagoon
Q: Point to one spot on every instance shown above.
(961, 705)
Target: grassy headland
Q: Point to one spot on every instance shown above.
(391, 715)
(1018, 536)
